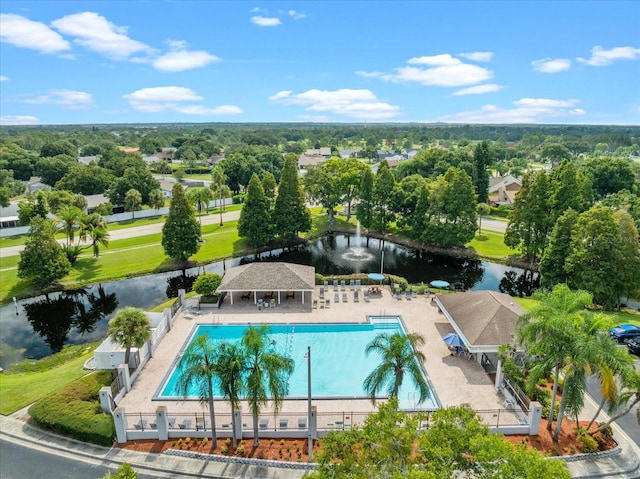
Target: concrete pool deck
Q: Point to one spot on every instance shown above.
(456, 380)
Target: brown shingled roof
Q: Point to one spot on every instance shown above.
(269, 277)
(484, 317)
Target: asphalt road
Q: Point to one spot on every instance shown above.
(19, 462)
(628, 423)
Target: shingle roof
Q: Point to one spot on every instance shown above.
(484, 317)
(269, 277)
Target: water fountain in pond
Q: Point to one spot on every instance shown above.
(357, 252)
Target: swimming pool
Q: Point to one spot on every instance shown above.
(338, 362)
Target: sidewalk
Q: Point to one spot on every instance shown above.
(623, 463)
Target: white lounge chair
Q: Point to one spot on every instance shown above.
(264, 423)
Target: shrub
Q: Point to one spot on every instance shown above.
(207, 283)
(205, 441)
(240, 450)
(75, 411)
(224, 449)
(227, 441)
(588, 444)
(238, 199)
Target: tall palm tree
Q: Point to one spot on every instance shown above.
(130, 327)
(198, 366)
(549, 333)
(94, 228)
(626, 399)
(400, 357)
(230, 367)
(611, 362)
(69, 217)
(218, 184)
(267, 373)
(200, 197)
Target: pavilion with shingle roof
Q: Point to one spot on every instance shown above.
(269, 278)
(484, 320)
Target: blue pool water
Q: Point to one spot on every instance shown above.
(338, 362)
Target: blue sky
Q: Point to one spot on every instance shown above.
(82, 62)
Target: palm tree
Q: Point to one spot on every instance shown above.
(611, 362)
(400, 357)
(627, 398)
(267, 373)
(132, 199)
(94, 227)
(230, 367)
(218, 184)
(69, 217)
(198, 366)
(130, 327)
(549, 333)
(200, 197)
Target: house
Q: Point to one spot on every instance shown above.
(324, 151)
(93, 201)
(310, 160)
(215, 159)
(35, 184)
(502, 191)
(344, 154)
(150, 160)
(167, 188)
(87, 160)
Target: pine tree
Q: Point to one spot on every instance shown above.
(482, 160)
(290, 214)
(364, 210)
(382, 189)
(255, 217)
(181, 232)
(552, 267)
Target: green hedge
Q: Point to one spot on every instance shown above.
(75, 411)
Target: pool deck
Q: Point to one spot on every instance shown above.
(456, 380)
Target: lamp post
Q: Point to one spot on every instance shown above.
(309, 438)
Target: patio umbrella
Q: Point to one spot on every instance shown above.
(438, 283)
(452, 339)
(375, 276)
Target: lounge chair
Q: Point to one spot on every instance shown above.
(284, 423)
(315, 304)
(398, 295)
(172, 423)
(302, 423)
(321, 303)
(356, 297)
(321, 292)
(414, 293)
(326, 285)
(343, 285)
(408, 294)
(186, 424)
(335, 285)
(352, 284)
(264, 423)
(344, 298)
(358, 284)
(367, 296)
(327, 303)
(336, 298)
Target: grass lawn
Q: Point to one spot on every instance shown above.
(490, 244)
(617, 317)
(26, 385)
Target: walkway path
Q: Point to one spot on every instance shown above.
(135, 231)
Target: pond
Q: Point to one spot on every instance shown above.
(35, 327)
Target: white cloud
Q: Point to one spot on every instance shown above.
(25, 33)
(601, 57)
(171, 98)
(96, 33)
(437, 70)
(202, 110)
(479, 89)
(70, 99)
(4, 78)
(360, 104)
(180, 59)
(526, 110)
(296, 15)
(266, 21)
(369, 74)
(19, 120)
(551, 65)
(478, 56)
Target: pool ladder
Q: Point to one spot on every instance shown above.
(293, 330)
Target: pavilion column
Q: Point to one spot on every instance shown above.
(278, 297)
(231, 296)
(255, 297)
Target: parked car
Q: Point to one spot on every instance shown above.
(634, 346)
(624, 332)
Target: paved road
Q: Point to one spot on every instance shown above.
(19, 462)
(135, 231)
(494, 225)
(628, 423)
